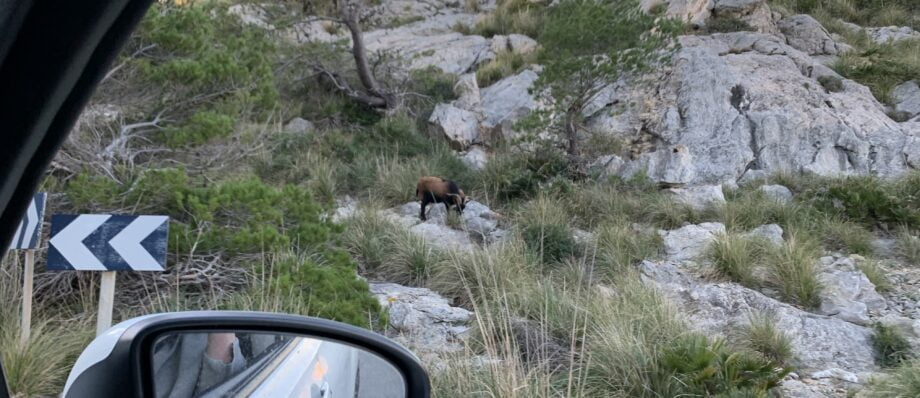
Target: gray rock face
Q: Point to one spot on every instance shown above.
(478, 224)
(475, 157)
(299, 126)
(819, 342)
(890, 34)
(770, 232)
(698, 197)
(806, 34)
(421, 318)
(691, 241)
(505, 102)
(345, 209)
(777, 192)
(513, 43)
(907, 98)
(745, 102)
(468, 96)
(848, 294)
(251, 14)
(459, 126)
(697, 12)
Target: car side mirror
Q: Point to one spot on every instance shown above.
(253, 354)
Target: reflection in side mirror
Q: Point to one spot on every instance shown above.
(208, 364)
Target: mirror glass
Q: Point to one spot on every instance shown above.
(258, 364)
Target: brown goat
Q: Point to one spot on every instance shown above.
(438, 190)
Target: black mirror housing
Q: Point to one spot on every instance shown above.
(118, 362)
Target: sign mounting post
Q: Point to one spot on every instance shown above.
(107, 243)
(27, 238)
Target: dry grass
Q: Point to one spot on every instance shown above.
(794, 272)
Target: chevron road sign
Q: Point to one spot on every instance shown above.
(30, 227)
(102, 242)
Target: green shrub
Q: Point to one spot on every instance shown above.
(551, 242)
(882, 67)
(324, 286)
(908, 246)
(619, 246)
(504, 64)
(409, 258)
(696, 366)
(735, 257)
(891, 348)
(903, 381)
(513, 16)
(544, 230)
(761, 335)
(831, 83)
(198, 129)
(793, 271)
(197, 58)
(870, 200)
(519, 175)
(847, 236)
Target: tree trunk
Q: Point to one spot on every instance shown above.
(350, 19)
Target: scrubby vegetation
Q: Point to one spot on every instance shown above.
(201, 137)
(891, 347)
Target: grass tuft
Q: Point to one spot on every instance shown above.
(793, 271)
(891, 348)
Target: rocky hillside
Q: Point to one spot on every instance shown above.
(702, 198)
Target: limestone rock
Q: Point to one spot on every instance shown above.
(507, 101)
(847, 293)
(777, 192)
(806, 34)
(468, 96)
(442, 236)
(770, 232)
(889, 34)
(698, 197)
(475, 157)
(818, 342)
(251, 14)
(907, 98)
(459, 126)
(691, 241)
(299, 126)
(748, 102)
(673, 166)
(697, 12)
(606, 166)
(421, 318)
(345, 208)
(513, 43)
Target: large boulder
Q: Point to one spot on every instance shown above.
(513, 43)
(459, 126)
(806, 34)
(847, 293)
(697, 13)
(691, 241)
(698, 197)
(475, 157)
(892, 34)
(740, 103)
(819, 342)
(778, 193)
(299, 125)
(505, 102)
(421, 319)
(906, 98)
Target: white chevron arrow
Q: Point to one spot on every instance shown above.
(69, 241)
(128, 243)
